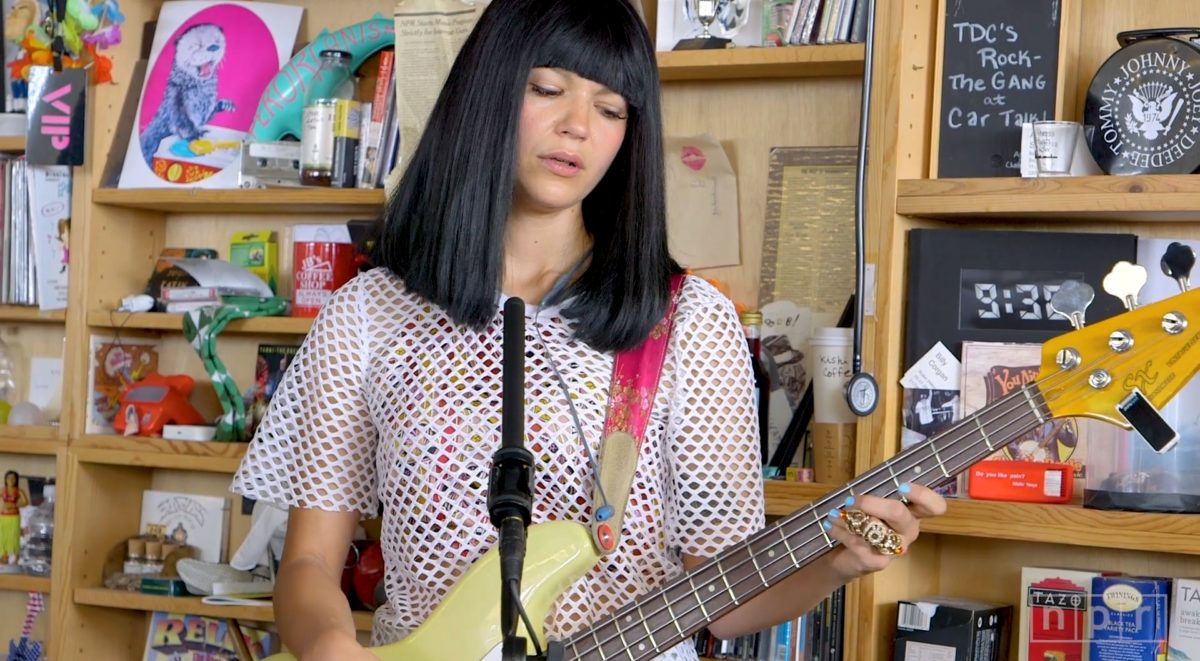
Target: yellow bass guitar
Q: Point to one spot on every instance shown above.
(1119, 370)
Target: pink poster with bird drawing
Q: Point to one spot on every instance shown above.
(208, 67)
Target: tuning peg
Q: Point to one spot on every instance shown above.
(1072, 300)
(1125, 281)
(1177, 263)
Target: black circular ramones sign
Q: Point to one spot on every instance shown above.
(1143, 109)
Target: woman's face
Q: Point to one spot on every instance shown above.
(571, 130)
(10, 480)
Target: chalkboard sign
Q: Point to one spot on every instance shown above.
(998, 69)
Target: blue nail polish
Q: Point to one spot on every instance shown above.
(834, 514)
(849, 501)
(827, 525)
(905, 488)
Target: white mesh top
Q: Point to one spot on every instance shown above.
(391, 403)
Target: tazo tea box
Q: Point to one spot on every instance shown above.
(1054, 614)
(1129, 618)
(1185, 620)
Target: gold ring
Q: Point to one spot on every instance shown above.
(875, 532)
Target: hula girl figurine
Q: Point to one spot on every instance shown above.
(14, 499)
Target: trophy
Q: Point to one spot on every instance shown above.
(728, 15)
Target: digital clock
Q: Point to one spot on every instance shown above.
(1007, 298)
(996, 285)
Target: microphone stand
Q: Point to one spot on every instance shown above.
(510, 489)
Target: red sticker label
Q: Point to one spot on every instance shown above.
(693, 158)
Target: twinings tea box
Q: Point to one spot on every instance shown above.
(1129, 618)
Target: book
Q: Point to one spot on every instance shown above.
(992, 370)
(269, 367)
(115, 363)
(186, 518)
(50, 224)
(186, 637)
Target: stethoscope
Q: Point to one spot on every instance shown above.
(862, 391)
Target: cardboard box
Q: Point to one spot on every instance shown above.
(1054, 614)
(946, 627)
(1129, 618)
(1184, 631)
(258, 253)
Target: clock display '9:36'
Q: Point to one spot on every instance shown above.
(995, 299)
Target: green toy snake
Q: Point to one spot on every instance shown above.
(201, 327)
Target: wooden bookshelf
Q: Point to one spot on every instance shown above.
(149, 452)
(1051, 524)
(1069, 524)
(16, 444)
(783, 498)
(742, 63)
(314, 200)
(12, 143)
(1133, 198)
(161, 321)
(28, 433)
(30, 313)
(194, 605)
(24, 583)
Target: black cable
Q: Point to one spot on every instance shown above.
(516, 597)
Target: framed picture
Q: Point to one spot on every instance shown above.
(808, 233)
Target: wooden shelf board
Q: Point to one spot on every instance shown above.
(1069, 524)
(245, 200)
(742, 63)
(20, 434)
(783, 498)
(12, 143)
(1133, 198)
(13, 443)
(24, 583)
(30, 313)
(192, 605)
(147, 452)
(162, 321)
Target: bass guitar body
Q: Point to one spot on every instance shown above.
(466, 625)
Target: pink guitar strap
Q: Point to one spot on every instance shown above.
(635, 380)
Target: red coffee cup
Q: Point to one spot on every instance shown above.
(322, 261)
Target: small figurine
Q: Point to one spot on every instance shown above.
(14, 498)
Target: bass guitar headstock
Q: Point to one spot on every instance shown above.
(1124, 369)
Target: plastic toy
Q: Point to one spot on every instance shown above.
(155, 401)
(282, 102)
(85, 30)
(12, 498)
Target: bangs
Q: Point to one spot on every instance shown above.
(602, 46)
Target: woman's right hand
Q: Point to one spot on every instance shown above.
(337, 647)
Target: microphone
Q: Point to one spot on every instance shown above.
(510, 488)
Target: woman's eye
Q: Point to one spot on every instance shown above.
(543, 91)
(612, 113)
